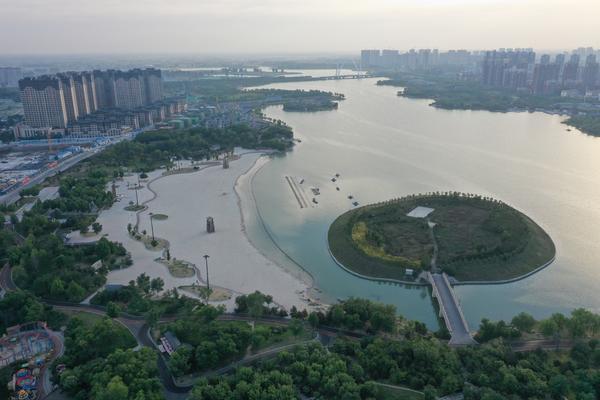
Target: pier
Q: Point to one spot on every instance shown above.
(450, 310)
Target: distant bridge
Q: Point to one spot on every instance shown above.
(347, 76)
(450, 310)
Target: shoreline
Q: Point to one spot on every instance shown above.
(241, 268)
(308, 279)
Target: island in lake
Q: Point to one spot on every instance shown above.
(470, 237)
(319, 101)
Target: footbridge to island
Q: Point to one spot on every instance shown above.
(450, 310)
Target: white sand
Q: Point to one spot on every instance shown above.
(187, 199)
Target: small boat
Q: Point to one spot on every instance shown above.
(337, 175)
(337, 188)
(333, 179)
(350, 197)
(315, 201)
(301, 181)
(355, 203)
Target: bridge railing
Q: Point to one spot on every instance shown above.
(460, 311)
(436, 294)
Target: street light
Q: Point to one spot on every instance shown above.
(137, 203)
(151, 225)
(206, 256)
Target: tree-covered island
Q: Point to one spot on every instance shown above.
(470, 237)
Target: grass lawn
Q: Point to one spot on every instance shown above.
(478, 239)
(347, 253)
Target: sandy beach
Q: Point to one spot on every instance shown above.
(187, 199)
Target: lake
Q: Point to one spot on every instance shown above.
(385, 146)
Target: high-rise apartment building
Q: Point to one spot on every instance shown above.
(571, 71)
(59, 100)
(389, 58)
(369, 58)
(43, 101)
(153, 85)
(92, 99)
(71, 106)
(129, 89)
(507, 67)
(546, 74)
(590, 72)
(104, 82)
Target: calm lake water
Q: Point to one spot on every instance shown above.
(385, 146)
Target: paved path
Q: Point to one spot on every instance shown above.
(450, 310)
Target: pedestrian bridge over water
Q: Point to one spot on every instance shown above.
(450, 310)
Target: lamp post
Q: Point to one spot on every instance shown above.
(152, 225)
(206, 256)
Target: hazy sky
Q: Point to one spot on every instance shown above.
(292, 26)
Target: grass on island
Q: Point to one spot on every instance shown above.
(374, 249)
(478, 239)
(351, 256)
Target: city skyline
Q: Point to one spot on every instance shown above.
(292, 27)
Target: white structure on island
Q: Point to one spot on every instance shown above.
(420, 212)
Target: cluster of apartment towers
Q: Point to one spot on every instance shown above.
(519, 70)
(71, 100)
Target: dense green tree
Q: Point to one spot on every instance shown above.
(112, 310)
(523, 322)
(122, 374)
(362, 314)
(115, 390)
(19, 307)
(75, 292)
(179, 361)
(84, 343)
(96, 227)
